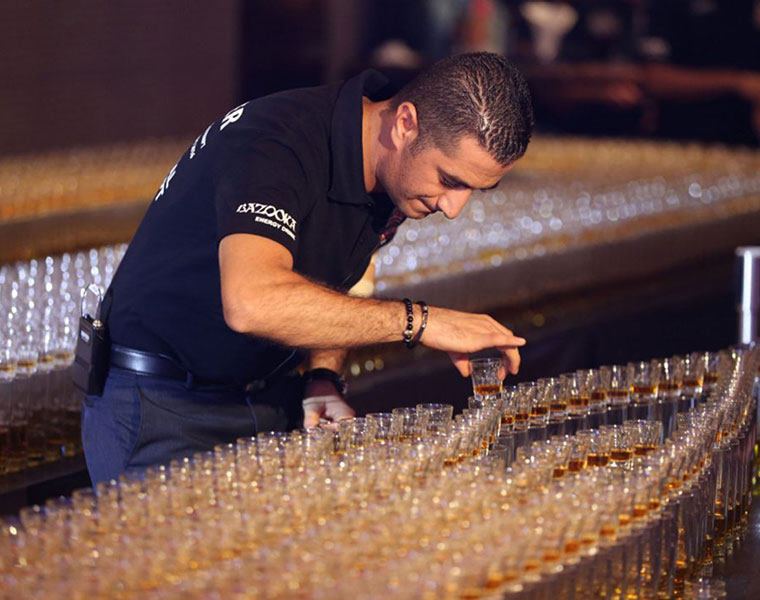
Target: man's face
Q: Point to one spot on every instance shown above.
(428, 180)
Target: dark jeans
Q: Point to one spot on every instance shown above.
(141, 421)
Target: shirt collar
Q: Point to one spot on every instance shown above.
(347, 164)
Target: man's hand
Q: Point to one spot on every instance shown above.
(460, 334)
(322, 401)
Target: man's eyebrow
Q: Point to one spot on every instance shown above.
(453, 179)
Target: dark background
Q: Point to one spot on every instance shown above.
(84, 72)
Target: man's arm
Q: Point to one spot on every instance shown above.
(334, 359)
(263, 296)
(320, 398)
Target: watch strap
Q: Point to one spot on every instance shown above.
(321, 374)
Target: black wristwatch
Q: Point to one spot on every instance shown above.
(327, 375)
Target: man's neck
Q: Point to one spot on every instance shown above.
(371, 147)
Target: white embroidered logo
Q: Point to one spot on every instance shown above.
(266, 212)
(167, 181)
(232, 116)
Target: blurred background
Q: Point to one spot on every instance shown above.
(83, 72)
(613, 240)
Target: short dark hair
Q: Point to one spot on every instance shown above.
(480, 94)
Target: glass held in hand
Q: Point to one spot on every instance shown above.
(485, 377)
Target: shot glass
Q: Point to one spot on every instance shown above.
(485, 377)
(436, 417)
(644, 378)
(694, 367)
(621, 446)
(619, 393)
(406, 424)
(380, 427)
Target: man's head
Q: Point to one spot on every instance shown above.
(458, 126)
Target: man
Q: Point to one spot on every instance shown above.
(254, 238)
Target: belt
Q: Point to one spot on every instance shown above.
(158, 365)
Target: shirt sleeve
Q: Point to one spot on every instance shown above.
(260, 188)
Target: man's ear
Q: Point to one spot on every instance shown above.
(405, 125)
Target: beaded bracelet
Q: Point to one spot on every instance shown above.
(423, 305)
(408, 333)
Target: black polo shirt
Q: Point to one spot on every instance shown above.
(287, 167)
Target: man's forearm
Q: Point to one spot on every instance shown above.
(297, 312)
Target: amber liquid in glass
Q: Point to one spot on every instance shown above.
(670, 386)
(643, 449)
(621, 454)
(507, 419)
(592, 459)
(618, 395)
(645, 389)
(607, 531)
(576, 464)
(488, 389)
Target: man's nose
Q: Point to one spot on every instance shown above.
(453, 201)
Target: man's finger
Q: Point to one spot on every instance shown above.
(506, 340)
(511, 359)
(461, 362)
(338, 410)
